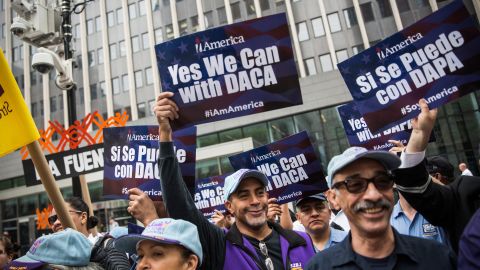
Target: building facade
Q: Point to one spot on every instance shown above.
(116, 71)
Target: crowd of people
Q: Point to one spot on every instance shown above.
(382, 210)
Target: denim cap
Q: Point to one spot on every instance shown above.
(233, 181)
(166, 231)
(319, 196)
(67, 248)
(389, 160)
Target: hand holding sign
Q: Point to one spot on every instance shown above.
(165, 109)
(141, 207)
(422, 128)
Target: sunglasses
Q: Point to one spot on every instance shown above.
(264, 250)
(52, 219)
(356, 185)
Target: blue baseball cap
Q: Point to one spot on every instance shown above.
(233, 181)
(319, 196)
(389, 160)
(166, 231)
(67, 247)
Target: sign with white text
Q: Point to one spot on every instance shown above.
(230, 71)
(436, 58)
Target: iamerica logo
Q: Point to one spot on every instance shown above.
(384, 53)
(203, 46)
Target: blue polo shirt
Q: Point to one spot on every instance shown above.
(419, 226)
(336, 236)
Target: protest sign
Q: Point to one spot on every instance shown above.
(209, 195)
(290, 165)
(358, 133)
(230, 71)
(67, 164)
(436, 58)
(131, 159)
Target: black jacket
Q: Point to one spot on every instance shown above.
(449, 206)
(104, 253)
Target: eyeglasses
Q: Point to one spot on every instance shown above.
(52, 219)
(264, 250)
(356, 185)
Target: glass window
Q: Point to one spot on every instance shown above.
(334, 22)
(151, 103)
(209, 19)
(183, 27)
(310, 65)
(250, 6)
(421, 3)
(158, 35)
(367, 12)
(149, 75)
(81, 97)
(169, 31)
(138, 79)
(357, 49)
(230, 135)
(326, 62)
(113, 51)
(385, 8)
(403, 5)
(43, 200)
(111, 18)
(132, 11)
(207, 167)
(34, 109)
(93, 91)
(90, 27)
(100, 55)
(207, 140)
(103, 88)
(98, 24)
(27, 205)
(123, 50)
(155, 5)
(258, 133)
(222, 15)
(33, 78)
(135, 44)
(119, 16)
(318, 29)
(53, 104)
(194, 22)
(142, 10)
(116, 85)
(9, 209)
(236, 14)
(145, 41)
(342, 55)
(302, 31)
(279, 3)
(225, 166)
(91, 58)
(281, 128)
(125, 82)
(264, 5)
(142, 110)
(350, 17)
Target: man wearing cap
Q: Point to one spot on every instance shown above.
(363, 187)
(448, 206)
(314, 214)
(164, 244)
(440, 169)
(251, 242)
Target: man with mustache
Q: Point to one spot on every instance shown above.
(363, 187)
(314, 214)
(251, 242)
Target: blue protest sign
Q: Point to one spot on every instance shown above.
(208, 195)
(436, 58)
(290, 165)
(130, 157)
(230, 71)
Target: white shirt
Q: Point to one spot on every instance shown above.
(467, 172)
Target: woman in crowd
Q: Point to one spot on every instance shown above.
(103, 251)
(164, 244)
(6, 251)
